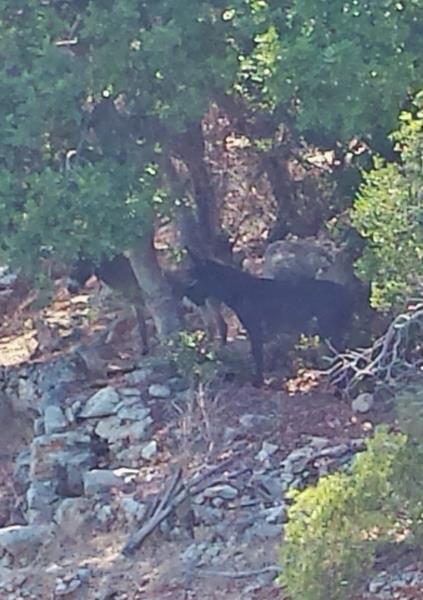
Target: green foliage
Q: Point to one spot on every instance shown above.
(333, 528)
(94, 94)
(388, 211)
(97, 93)
(336, 70)
(408, 474)
(192, 355)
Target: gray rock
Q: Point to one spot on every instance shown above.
(158, 390)
(251, 421)
(271, 482)
(133, 510)
(363, 403)
(149, 451)
(266, 451)
(54, 420)
(21, 471)
(275, 514)
(52, 456)
(192, 555)
(298, 459)
(101, 404)
(139, 376)
(335, 451)
(109, 428)
(101, 480)
(41, 498)
(129, 392)
(22, 542)
(39, 426)
(221, 490)
(27, 396)
(134, 412)
(104, 514)
(208, 515)
(138, 431)
(114, 431)
(377, 583)
(71, 515)
(263, 531)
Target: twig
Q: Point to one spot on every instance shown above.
(175, 493)
(386, 360)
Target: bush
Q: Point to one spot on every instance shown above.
(389, 213)
(335, 527)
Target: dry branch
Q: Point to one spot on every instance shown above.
(394, 357)
(174, 494)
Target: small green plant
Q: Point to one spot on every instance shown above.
(335, 527)
(193, 357)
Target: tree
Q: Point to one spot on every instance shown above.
(100, 96)
(330, 73)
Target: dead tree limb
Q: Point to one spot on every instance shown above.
(174, 494)
(393, 358)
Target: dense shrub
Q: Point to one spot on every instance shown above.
(389, 213)
(334, 528)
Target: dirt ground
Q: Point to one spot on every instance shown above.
(302, 407)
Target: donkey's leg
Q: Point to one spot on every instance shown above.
(255, 334)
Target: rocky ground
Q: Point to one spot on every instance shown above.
(119, 480)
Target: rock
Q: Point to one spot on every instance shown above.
(139, 376)
(104, 514)
(71, 516)
(275, 514)
(192, 555)
(208, 515)
(298, 459)
(134, 412)
(335, 451)
(266, 451)
(158, 390)
(114, 431)
(221, 490)
(133, 510)
(21, 471)
(52, 456)
(40, 497)
(271, 482)
(22, 542)
(288, 259)
(26, 398)
(229, 435)
(263, 531)
(149, 451)
(109, 428)
(251, 421)
(101, 480)
(54, 420)
(377, 583)
(101, 404)
(39, 426)
(363, 403)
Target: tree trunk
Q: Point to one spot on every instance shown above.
(190, 149)
(158, 294)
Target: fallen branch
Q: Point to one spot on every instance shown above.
(388, 359)
(175, 493)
